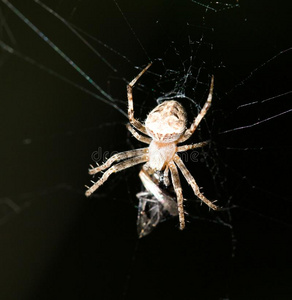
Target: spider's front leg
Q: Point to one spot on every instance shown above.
(130, 158)
(138, 125)
(117, 157)
(138, 136)
(188, 133)
(114, 169)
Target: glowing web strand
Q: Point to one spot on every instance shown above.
(59, 51)
(48, 9)
(256, 123)
(4, 26)
(263, 101)
(132, 30)
(12, 51)
(101, 43)
(204, 5)
(242, 82)
(227, 6)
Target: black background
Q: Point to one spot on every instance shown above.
(60, 245)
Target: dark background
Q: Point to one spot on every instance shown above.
(55, 243)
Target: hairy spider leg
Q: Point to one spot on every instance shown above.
(137, 124)
(188, 133)
(191, 181)
(114, 169)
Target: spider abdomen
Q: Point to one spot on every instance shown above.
(160, 154)
(167, 122)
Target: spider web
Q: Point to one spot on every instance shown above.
(64, 70)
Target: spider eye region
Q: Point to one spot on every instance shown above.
(166, 122)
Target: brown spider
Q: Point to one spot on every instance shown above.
(165, 127)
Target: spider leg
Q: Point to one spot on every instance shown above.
(114, 169)
(138, 136)
(190, 179)
(118, 157)
(165, 176)
(138, 125)
(188, 133)
(178, 192)
(193, 146)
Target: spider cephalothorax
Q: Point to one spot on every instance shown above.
(166, 127)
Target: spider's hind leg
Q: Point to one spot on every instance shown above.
(190, 179)
(178, 192)
(165, 177)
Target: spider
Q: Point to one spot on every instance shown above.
(164, 129)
